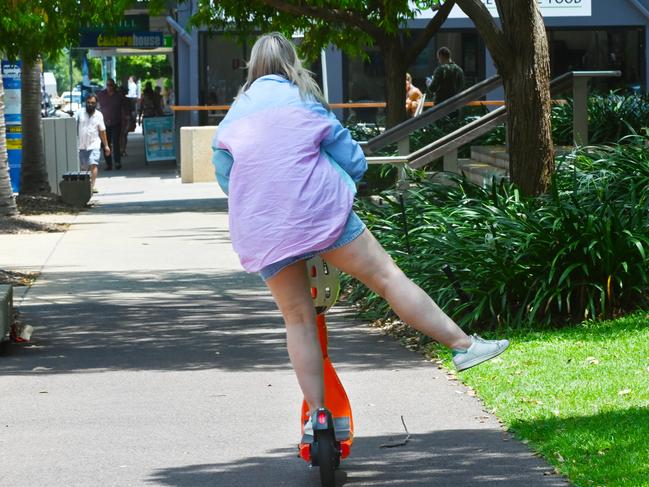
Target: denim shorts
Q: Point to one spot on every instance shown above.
(88, 158)
(353, 228)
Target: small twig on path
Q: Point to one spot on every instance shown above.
(398, 443)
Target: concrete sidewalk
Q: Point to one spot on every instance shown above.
(156, 361)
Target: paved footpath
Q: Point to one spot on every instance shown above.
(156, 361)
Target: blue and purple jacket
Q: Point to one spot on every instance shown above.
(289, 168)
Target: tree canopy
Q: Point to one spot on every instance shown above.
(350, 25)
(32, 28)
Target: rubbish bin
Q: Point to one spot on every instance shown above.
(76, 189)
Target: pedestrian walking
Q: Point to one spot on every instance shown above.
(110, 103)
(447, 79)
(91, 133)
(290, 168)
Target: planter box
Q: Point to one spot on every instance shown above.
(6, 310)
(196, 154)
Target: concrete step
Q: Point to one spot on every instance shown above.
(496, 155)
(481, 173)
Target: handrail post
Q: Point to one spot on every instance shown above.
(403, 147)
(580, 110)
(450, 162)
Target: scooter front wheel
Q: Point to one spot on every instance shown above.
(327, 457)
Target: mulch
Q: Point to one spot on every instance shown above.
(41, 204)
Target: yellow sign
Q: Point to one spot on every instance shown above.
(14, 144)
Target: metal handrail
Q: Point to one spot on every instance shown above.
(439, 111)
(471, 131)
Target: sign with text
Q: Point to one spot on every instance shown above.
(141, 40)
(548, 8)
(159, 138)
(138, 22)
(13, 120)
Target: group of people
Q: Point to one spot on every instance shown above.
(108, 118)
(446, 81)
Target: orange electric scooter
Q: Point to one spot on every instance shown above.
(333, 426)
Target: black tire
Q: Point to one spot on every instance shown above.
(327, 457)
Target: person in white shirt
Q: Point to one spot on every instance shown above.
(91, 131)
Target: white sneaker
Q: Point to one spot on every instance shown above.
(480, 351)
(307, 436)
(308, 427)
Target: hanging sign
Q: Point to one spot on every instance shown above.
(141, 40)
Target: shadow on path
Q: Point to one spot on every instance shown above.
(447, 458)
(173, 321)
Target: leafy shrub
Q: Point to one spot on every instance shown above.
(580, 251)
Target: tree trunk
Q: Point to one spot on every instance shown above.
(526, 77)
(395, 82)
(34, 173)
(7, 202)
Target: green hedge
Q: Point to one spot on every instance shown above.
(578, 252)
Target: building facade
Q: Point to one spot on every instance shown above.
(582, 35)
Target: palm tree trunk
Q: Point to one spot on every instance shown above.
(34, 173)
(7, 202)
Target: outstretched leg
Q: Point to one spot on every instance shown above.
(365, 259)
(290, 288)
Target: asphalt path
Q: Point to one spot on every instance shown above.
(156, 361)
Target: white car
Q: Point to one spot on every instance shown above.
(71, 101)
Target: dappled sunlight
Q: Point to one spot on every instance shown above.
(175, 320)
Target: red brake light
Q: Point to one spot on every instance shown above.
(322, 417)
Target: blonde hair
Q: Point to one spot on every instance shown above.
(408, 77)
(275, 54)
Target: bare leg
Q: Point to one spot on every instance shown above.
(290, 288)
(93, 175)
(367, 261)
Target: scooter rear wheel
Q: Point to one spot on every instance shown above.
(327, 457)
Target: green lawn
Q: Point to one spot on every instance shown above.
(579, 396)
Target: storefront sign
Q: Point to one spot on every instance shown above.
(13, 120)
(138, 22)
(159, 138)
(142, 40)
(548, 8)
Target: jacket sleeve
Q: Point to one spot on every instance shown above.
(338, 143)
(222, 160)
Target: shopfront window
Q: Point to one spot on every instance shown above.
(606, 49)
(364, 78)
(223, 72)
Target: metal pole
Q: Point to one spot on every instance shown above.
(70, 57)
(580, 110)
(325, 80)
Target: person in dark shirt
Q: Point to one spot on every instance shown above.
(447, 79)
(110, 101)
